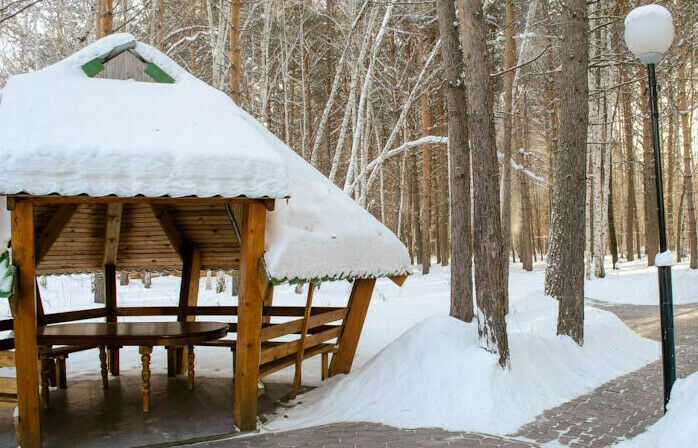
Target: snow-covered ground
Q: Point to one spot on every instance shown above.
(636, 284)
(679, 427)
(436, 375)
(414, 365)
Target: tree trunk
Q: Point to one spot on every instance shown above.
(123, 278)
(565, 272)
(105, 17)
(649, 188)
(510, 59)
(688, 160)
(234, 282)
(98, 288)
(220, 282)
(490, 280)
(459, 164)
(235, 60)
(612, 239)
(425, 200)
(525, 246)
(631, 205)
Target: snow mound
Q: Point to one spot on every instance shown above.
(679, 427)
(436, 375)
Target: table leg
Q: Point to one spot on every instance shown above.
(145, 376)
(53, 377)
(190, 367)
(103, 365)
(45, 373)
(62, 379)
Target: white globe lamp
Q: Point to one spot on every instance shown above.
(649, 32)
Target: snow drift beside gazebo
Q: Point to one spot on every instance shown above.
(65, 133)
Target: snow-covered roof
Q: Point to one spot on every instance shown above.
(66, 133)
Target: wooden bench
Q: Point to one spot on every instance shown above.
(276, 359)
(53, 370)
(314, 330)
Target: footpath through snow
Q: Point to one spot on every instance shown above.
(636, 284)
(436, 375)
(679, 427)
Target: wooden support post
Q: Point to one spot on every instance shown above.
(111, 248)
(188, 296)
(298, 374)
(268, 301)
(353, 323)
(249, 326)
(26, 350)
(109, 276)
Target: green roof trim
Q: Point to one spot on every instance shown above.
(93, 67)
(329, 278)
(158, 74)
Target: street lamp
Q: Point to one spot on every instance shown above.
(649, 32)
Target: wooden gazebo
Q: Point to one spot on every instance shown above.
(80, 201)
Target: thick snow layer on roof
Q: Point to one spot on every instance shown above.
(62, 132)
(66, 133)
(320, 233)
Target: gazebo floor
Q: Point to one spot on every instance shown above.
(85, 416)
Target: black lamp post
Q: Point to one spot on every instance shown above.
(649, 32)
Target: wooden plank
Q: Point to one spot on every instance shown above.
(277, 330)
(353, 324)
(26, 350)
(279, 350)
(7, 359)
(167, 224)
(213, 310)
(7, 344)
(298, 311)
(398, 279)
(112, 232)
(298, 374)
(8, 385)
(53, 230)
(68, 316)
(316, 320)
(6, 324)
(250, 306)
(279, 364)
(147, 311)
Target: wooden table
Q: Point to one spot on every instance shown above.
(145, 335)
